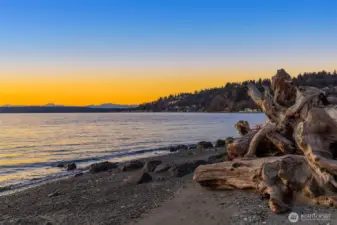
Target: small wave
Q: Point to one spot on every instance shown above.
(28, 183)
(116, 154)
(44, 146)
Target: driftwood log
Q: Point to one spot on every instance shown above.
(291, 155)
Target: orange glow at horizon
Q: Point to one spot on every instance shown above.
(127, 86)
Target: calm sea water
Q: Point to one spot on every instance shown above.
(31, 145)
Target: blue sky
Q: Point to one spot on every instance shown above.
(122, 45)
(211, 27)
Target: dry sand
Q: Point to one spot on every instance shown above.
(194, 205)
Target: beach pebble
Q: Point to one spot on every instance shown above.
(139, 178)
(78, 174)
(205, 144)
(103, 166)
(132, 165)
(160, 178)
(70, 166)
(151, 165)
(162, 168)
(54, 194)
(191, 153)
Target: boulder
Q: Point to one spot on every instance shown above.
(217, 158)
(192, 146)
(182, 169)
(229, 140)
(178, 147)
(173, 149)
(205, 144)
(60, 165)
(212, 159)
(151, 165)
(162, 168)
(182, 147)
(70, 166)
(103, 166)
(220, 143)
(132, 165)
(5, 188)
(139, 178)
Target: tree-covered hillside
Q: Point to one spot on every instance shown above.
(232, 97)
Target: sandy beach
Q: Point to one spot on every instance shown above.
(127, 195)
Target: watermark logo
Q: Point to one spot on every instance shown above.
(293, 217)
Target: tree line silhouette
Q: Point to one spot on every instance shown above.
(232, 97)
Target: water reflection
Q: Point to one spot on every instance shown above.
(32, 143)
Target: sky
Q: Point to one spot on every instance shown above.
(80, 52)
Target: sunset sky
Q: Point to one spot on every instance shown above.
(79, 52)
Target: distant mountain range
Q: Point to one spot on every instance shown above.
(112, 106)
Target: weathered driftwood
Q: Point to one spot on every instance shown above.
(281, 179)
(239, 146)
(264, 137)
(242, 127)
(292, 153)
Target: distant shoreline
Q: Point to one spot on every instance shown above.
(80, 109)
(62, 109)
